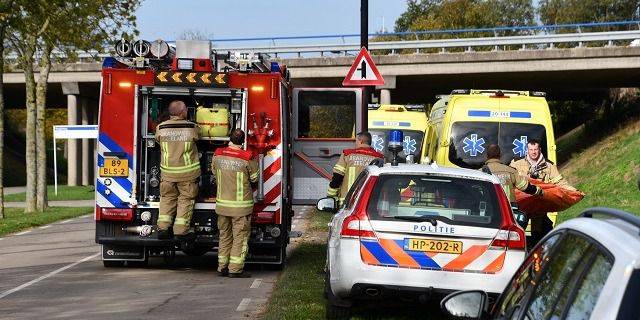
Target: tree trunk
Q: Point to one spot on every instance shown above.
(30, 152)
(2, 29)
(41, 141)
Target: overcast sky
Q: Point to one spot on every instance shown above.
(167, 19)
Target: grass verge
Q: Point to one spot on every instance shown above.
(607, 172)
(64, 193)
(16, 220)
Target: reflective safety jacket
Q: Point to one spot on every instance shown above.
(235, 170)
(544, 170)
(349, 166)
(510, 179)
(178, 152)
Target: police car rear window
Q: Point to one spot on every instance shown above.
(452, 200)
(470, 139)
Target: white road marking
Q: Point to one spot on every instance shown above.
(1, 238)
(50, 274)
(23, 232)
(44, 227)
(256, 283)
(242, 306)
(67, 221)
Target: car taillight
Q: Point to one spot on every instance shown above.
(263, 217)
(513, 238)
(116, 214)
(357, 224)
(510, 235)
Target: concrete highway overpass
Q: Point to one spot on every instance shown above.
(411, 78)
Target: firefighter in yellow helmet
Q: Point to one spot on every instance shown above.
(235, 171)
(180, 170)
(350, 164)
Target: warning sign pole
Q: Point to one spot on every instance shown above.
(364, 43)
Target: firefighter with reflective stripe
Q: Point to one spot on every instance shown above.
(508, 176)
(235, 172)
(535, 165)
(180, 170)
(350, 164)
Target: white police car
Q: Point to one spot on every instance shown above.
(586, 268)
(417, 230)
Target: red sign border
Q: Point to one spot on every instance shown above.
(357, 83)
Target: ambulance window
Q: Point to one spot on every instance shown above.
(326, 114)
(514, 137)
(469, 142)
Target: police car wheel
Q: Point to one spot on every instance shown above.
(112, 263)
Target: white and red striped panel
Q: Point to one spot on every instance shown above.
(272, 175)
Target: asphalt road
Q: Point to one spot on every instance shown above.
(55, 272)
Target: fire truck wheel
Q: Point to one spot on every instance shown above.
(112, 263)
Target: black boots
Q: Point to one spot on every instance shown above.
(164, 235)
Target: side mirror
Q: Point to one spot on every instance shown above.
(465, 304)
(520, 217)
(327, 205)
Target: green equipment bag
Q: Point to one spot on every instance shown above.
(213, 122)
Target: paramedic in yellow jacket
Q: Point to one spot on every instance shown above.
(235, 171)
(350, 164)
(535, 165)
(180, 170)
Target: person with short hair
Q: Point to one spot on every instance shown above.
(536, 166)
(350, 164)
(235, 171)
(180, 170)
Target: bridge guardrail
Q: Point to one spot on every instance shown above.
(544, 37)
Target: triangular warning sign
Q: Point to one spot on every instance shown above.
(363, 72)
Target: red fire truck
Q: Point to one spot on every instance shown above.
(137, 86)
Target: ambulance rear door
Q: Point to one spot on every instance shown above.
(325, 121)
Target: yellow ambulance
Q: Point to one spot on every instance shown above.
(411, 119)
(463, 124)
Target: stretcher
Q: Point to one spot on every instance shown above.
(554, 199)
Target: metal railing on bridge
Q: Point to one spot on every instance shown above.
(496, 38)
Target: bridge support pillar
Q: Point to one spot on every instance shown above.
(385, 90)
(87, 152)
(73, 157)
(385, 96)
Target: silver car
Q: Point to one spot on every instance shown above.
(586, 268)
